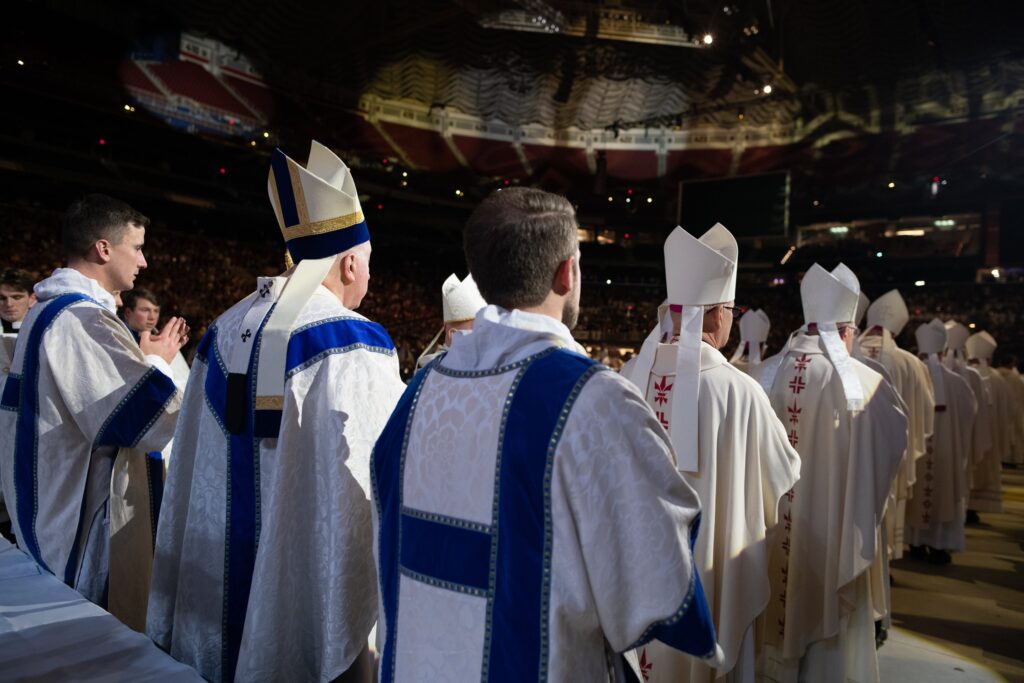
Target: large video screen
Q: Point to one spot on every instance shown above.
(750, 206)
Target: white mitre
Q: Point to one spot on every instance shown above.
(889, 311)
(981, 346)
(460, 301)
(699, 272)
(754, 329)
(931, 342)
(829, 299)
(862, 308)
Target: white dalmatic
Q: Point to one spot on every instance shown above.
(819, 623)
(526, 500)
(935, 514)
(264, 562)
(82, 407)
(745, 466)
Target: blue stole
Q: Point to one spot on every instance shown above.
(508, 562)
(307, 345)
(137, 411)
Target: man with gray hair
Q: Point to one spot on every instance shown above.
(525, 497)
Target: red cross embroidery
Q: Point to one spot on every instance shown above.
(645, 666)
(793, 438)
(782, 626)
(928, 477)
(785, 575)
(927, 503)
(662, 388)
(928, 463)
(782, 597)
(929, 450)
(802, 362)
(794, 413)
(790, 494)
(797, 384)
(788, 519)
(662, 419)
(928, 491)
(925, 518)
(785, 545)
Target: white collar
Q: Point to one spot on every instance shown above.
(503, 336)
(71, 281)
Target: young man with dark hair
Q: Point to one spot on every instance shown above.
(16, 297)
(81, 407)
(141, 311)
(525, 497)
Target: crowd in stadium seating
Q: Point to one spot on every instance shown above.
(199, 277)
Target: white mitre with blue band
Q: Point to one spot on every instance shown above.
(698, 273)
(318, 211)
(889, 312)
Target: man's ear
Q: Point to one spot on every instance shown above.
(347, 267)
(565, 276)
(102, 249)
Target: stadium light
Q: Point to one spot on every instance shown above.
(995, 273)
(611, 199)
(21, 62)
(878, 254)
(650, 200)
(708, 39)
(892, 184)
(607, 282)
(919, 283)
(266, 134)
(767, 89)
(971, 325)
(910, 232)
(405, 174)
(788, 255)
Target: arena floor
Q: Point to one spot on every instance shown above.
(964, 621)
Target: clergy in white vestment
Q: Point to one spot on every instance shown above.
(754, 328)
(1015, 386)
(460, 301)
(737, 458)
(986, 480)
(935, 514)
(264, 562)
(82, 406)
(141, 311)
(886, 318)
(529, 520)
(981, 432)
(16, 297)
(848, 426)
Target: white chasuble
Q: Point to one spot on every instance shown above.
(529, 521)
(745, 466)
(1015, 392)
(819, 622)
(935, 514)
(909, 376)
(264, 561)
(82, 406)
(986, 479)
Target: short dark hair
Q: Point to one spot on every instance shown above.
(130, 298)
(514, 242)
(16, 278)
(97, 217)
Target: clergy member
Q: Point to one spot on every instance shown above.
(847, 424)
(80, 389)
(460, 301)
(141, 310)
(987, 483)
(529, 519)
(886, 317)
(754, 329)
(264, 564)
(935, 514)
(737, 459)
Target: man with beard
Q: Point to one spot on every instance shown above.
(525, 497)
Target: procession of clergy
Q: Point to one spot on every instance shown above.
(291, 511)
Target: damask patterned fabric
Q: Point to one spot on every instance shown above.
(80, 394)
(617, 568)
(264, 566)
